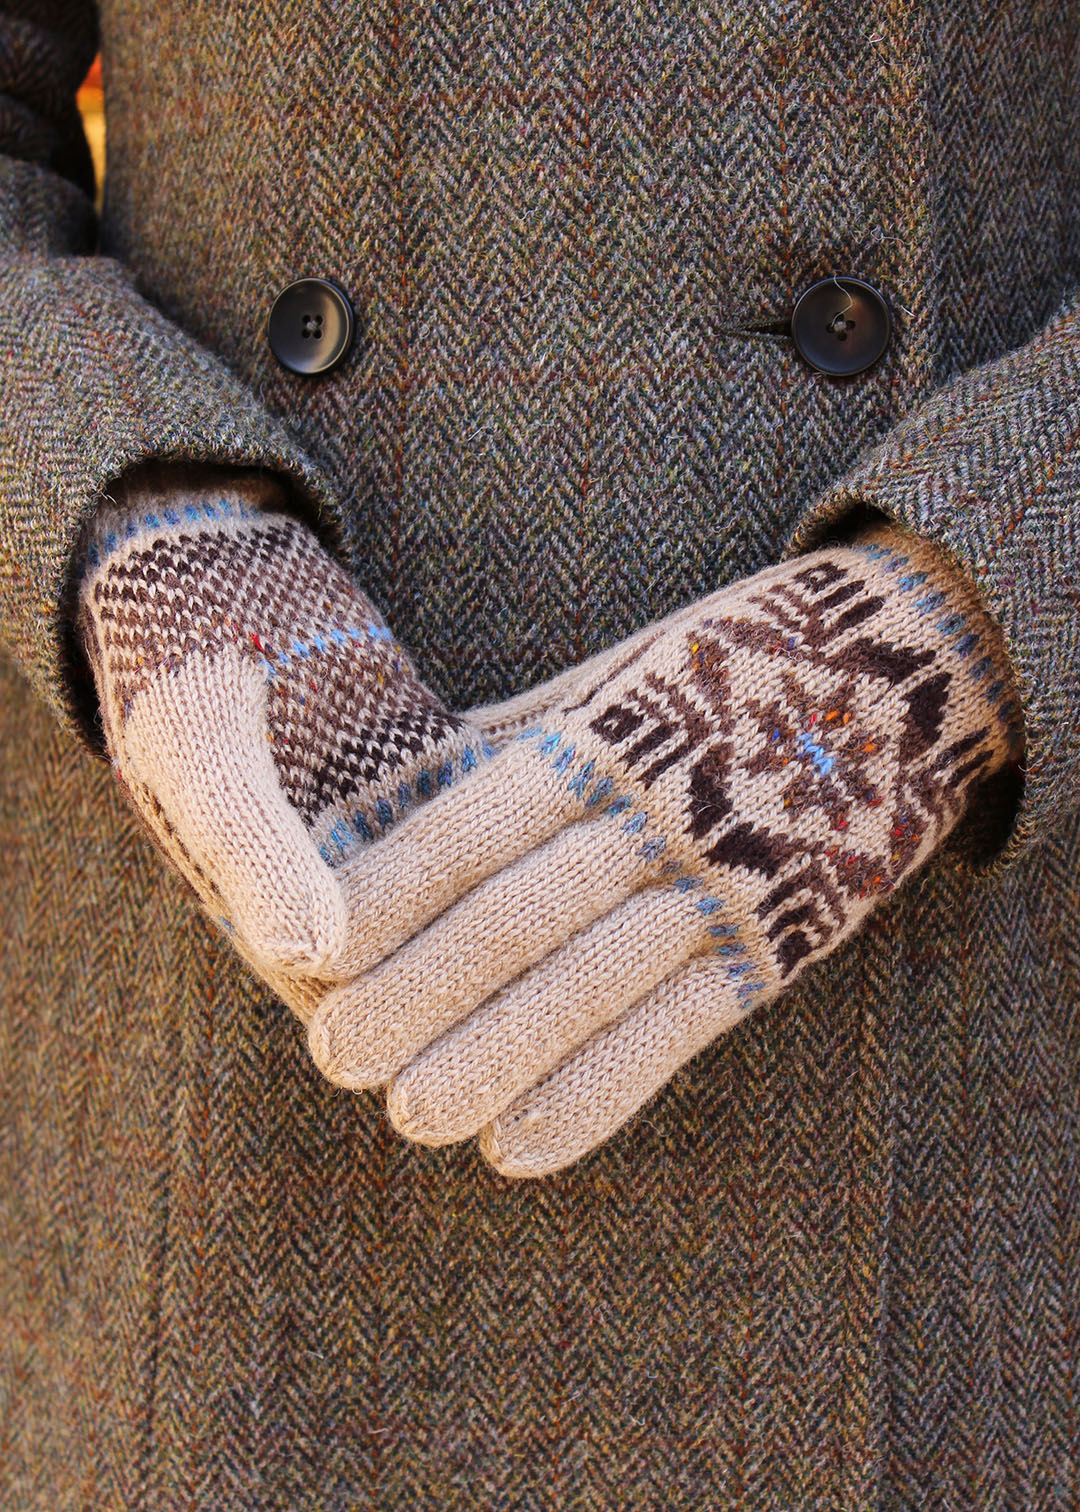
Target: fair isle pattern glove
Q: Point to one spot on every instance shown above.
(259, 714)
(673, 845)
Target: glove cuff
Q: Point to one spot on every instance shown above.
(164, 499)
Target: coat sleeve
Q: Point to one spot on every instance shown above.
(93, 378)
(989, 468)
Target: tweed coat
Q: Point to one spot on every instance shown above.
(834, 1264)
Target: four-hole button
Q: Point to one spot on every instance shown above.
(310, 328)
(841, 326)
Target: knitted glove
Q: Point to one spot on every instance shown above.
(719, 808)
(258, 712)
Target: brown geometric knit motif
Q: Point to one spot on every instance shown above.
(793, 685)
(346, 713)
(743, 784)
(259, 714)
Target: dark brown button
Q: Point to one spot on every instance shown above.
(841, 326)
(311, 326)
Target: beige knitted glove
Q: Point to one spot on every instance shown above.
(258, 712)
(672, 845)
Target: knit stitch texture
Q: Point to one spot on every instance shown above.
(832, 1266)
(257, 709)
(745, 783)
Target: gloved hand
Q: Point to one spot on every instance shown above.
(257, 710)
(671, 845)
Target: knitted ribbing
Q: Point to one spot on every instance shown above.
(257, 709)
(717, 808)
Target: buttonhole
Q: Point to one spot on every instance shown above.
(770, 325)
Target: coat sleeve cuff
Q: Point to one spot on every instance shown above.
(96, 382)
(989, 469)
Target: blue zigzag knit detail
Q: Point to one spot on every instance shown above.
(741, 969)
(345, 835)
(217, 510)
(303, 650)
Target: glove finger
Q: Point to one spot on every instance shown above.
(372, 1027)
(477, 1068)
(196, 739)
(604, 1083)
(395, 889)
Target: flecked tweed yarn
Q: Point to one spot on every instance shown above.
(832, 1267)
(684, 832)
(258, 711)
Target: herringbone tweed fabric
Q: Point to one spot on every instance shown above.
(834, 1265)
